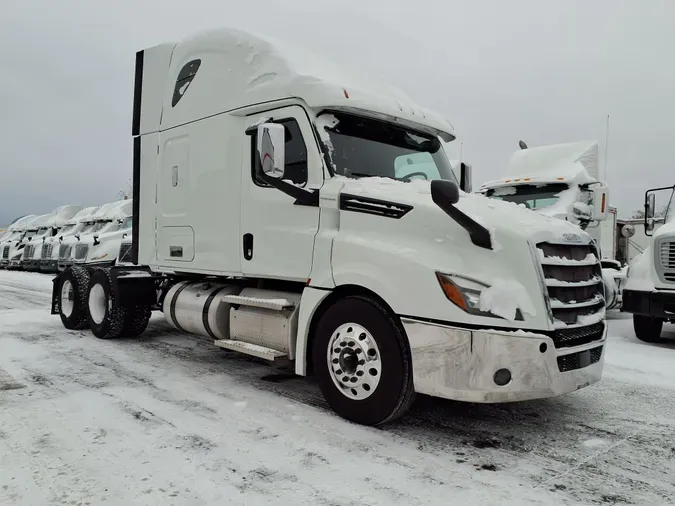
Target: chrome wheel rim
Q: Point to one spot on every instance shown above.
(354, 361)
(67, 298)
(97, 303)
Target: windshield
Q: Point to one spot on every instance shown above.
(361, 147)
(126, 223)
(42, 231)
(531, 195)
(67, 229)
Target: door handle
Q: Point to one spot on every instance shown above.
(248, 246)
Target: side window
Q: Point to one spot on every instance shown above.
(418, 165)
(295, 167)
(185, 77)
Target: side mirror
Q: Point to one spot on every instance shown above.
(96, 243)
(600, 196)
(271, 149)
(650, 211)
(465, 178)
(650, 205)
(444, 193)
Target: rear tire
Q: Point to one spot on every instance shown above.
(362, 361)
(136, 321)
(105, 320)
(648, 329)
(73, 293)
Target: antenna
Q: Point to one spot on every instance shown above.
(604, 170)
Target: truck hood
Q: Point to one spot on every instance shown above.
(499, 217)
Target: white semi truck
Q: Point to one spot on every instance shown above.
(649, 293)
(69, 224)
(562, 181)
(11, 246)
(278, 210)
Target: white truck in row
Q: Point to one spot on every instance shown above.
(649, 293)
(562, 181)
(294, 211)
(68, 236)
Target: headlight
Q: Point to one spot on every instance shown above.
(465, 293)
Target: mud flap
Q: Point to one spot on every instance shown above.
(56, 306)
(134, 286)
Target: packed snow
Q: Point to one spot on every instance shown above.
(171, 419)
(504, 298)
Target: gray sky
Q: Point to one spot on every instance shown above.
(545, 71)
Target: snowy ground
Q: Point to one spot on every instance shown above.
(168, 419)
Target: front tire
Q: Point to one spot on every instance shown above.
(105, 320)
(648, 329)
(73, 293)
(362, 361)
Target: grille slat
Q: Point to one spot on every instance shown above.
(578, 360)
(46, 252)
(573, 278)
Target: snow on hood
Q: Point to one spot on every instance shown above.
(493, 214)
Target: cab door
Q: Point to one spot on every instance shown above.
(277, 235)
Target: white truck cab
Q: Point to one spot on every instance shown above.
(32, 241)
(562, 181)
(84, 238)
(650, 285)
(66, 238)
(12, 241)
(105, 242)
(48, 253)
(293, 211)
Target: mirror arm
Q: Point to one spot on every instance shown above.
(302, 197)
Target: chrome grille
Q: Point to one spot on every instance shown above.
(64, 251)
(5, 252)
(46, 252)
(81, 251)
(28, 252)
(573, 279)
(668, 254)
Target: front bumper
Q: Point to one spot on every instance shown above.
(657, 303)
(460, 364)
(49, 265)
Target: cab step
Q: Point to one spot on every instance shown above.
(275, 304)
(252, 349)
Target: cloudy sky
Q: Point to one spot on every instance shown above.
(545, 71)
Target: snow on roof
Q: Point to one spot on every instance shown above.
(82, 215)
(39, 222)
(575, 162)
(239, 69)
(62, 214)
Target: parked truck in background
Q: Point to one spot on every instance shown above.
(291, 210)
(78, 246)
(103, 246)
(649, 293)
(562, 181)
(60, 223)
(11, 246)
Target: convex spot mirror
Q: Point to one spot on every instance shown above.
(271, 149)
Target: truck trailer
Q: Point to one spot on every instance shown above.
(295, 211)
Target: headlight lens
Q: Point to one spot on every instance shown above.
(465, 294)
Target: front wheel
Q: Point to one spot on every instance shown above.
(362, 362)
(647, 329)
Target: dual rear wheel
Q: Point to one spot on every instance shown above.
(87, 299)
